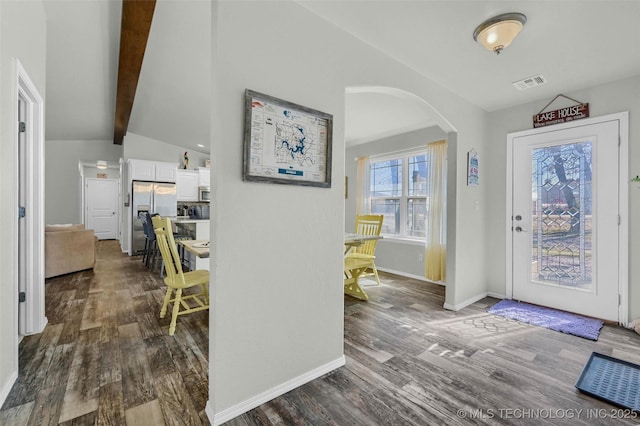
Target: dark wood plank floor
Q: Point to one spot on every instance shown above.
(106, 358)
(410, 362)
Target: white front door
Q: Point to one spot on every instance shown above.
(565, 210)
(102, 207)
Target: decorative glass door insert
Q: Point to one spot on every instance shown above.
(562, 215)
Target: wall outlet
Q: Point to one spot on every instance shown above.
(420, 257)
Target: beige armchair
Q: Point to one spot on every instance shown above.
(68, 248)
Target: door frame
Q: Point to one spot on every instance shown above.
(623, 203)
(82, 166)
(34, 319)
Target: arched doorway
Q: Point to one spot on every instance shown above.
(382, 121)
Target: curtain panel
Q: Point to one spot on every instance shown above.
(362, 192)
(435, 242)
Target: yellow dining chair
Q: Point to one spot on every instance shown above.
(367, 225)
(177, 280)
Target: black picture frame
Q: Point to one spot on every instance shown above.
(286, 143)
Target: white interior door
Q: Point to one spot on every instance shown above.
(102, 207)
(565, 218)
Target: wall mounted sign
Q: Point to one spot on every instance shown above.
(562, 115)
(285, 142)
(102, 175)
(473, 168)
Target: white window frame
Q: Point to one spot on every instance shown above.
(404, 197)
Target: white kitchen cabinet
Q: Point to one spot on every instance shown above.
(142, 170)
(166, 172)
(187, 185)
(152, 170)
(202, 233)
(202, 230)
(204, 176)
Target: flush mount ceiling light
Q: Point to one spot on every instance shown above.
(498, 32)
(101, 164)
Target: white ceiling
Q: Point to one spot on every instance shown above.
(82, 67)
(372, 115)
(573, 44)
(173, 94)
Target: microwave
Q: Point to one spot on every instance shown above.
(204, 193)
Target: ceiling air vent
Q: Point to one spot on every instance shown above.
(529, 82)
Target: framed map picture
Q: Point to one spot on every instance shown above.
(286, 143)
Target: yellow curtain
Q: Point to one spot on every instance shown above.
(362, 199)
(435, 253)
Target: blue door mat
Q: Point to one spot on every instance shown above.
(612, 380)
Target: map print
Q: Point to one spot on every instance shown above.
(293, 147)
(286, 143)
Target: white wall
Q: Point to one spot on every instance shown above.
(22, 36)
(605, 99)
(63, 190)
(277, 263)
(399, 256)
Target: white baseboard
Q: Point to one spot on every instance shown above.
(251, 403)
(496, 295)
(7, 387)
(42, 323)
(405, 274)
(208, 409)
(466, 303)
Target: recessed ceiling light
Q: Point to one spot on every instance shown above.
(200, 145)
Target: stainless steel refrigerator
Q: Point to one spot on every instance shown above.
(152, 197)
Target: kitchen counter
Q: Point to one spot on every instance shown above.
(186, 219)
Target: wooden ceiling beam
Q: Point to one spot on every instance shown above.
(134, 32)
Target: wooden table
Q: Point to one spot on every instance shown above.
(192, 246)
(354, 240)
(354, 266)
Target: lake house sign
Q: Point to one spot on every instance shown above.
(562, 115)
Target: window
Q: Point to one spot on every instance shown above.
(398, 190)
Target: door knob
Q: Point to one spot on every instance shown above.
(518, 217)
(519, 229)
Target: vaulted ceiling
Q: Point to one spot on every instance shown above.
(573, 44)
(172, 98)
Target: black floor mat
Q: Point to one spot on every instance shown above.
(612, 380)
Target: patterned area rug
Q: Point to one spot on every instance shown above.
(565, 322)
